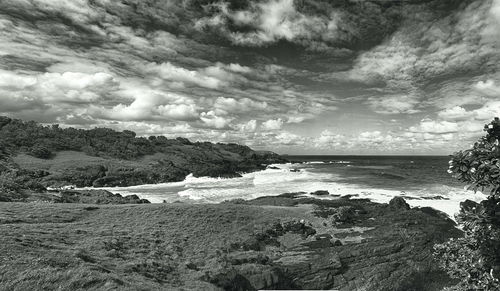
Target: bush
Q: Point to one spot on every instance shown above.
(475, 258)
(40, 152)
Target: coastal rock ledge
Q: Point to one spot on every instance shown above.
(380, 247)
(284, 242)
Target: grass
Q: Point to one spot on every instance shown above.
(126, 247)
(177, 246)
(62, 160)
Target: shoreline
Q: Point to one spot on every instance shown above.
(199, 189)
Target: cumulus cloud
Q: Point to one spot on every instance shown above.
(271, 20)
(210, 119)
(186, 68)
(455, 113)
(226, 106)
(182, 76)
(488, 111)
(488, 88)
(328, 139)
(250, 126)
(272, 124)
(435, 127)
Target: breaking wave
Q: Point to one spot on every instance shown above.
(286, 178)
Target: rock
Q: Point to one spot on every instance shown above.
(343, 214)
(469, 205)
(320, 193)
(90, 208)
(192, 266)
(291, 195)
(97, 197)
(398, 203)
(349, 196)
(231, 281)
(319, 244)
(337, 243)
(438, 197)
(299, 227)
(323, 236)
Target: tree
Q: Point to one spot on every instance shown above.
(475, 258)
(41, 152)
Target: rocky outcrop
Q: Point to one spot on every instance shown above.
(320, 193)
(367, 246)
(97, 197)
(215, 161)
(398, 203)
(84, 197)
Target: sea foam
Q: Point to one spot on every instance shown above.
(287, 178)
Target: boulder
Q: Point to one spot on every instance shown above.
(398, 203)
(320, 193)
(343, 214)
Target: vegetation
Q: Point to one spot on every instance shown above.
(475, 258)
(33, 157)
(42, 141)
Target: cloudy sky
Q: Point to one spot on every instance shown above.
(292, 76)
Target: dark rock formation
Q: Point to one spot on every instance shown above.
(92, 197)
(383, 248)
(320, 193)
(343, 214)
(398, 203)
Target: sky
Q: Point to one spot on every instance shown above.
(414, 77)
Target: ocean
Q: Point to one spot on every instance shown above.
(422, 180)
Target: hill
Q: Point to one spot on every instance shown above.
(34, 156)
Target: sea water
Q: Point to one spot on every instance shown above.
(422, 180)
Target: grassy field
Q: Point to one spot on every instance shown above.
(129, 247)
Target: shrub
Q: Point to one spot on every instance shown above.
(475, 258)
(40, 152)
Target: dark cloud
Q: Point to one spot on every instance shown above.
(282, 74)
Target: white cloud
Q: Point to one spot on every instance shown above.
(50, 88)
(147, 104)
(488, 111)
(238, 68)
(184, 76)
(178, 111)
(435, 127)
(15, 81)
(224, 105)
(288, 138)
(273, 20)
(272, 124)
(394, 104)
(455, 113)
(488, 88)
(250, 126)
(371, 136)
(328, 139)
(211, 120)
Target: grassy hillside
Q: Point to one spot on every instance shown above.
(33, 157)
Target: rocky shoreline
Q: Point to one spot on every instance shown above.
(287, 241)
